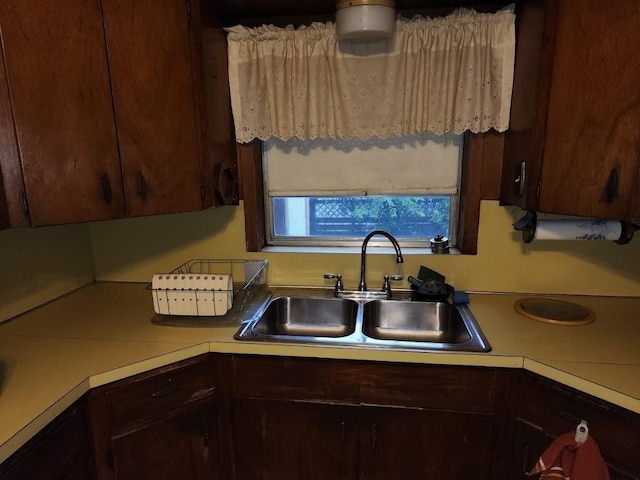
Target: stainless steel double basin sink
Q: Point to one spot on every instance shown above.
(399, 324)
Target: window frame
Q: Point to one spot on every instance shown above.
(480, 180)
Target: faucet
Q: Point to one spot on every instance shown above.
(363, 284)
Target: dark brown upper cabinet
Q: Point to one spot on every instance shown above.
(156, 105)
(573, 146)
(58, 79)
(108, 111)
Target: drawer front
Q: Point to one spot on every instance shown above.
(558, 409)
(158, 393)
(354, 382)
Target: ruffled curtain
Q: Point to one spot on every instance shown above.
(441, 75)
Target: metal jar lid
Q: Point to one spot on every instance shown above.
(440, 244)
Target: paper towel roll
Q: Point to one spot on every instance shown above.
(584, 229)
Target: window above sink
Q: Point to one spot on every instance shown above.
(333, 192)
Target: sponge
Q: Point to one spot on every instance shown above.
(460, 298)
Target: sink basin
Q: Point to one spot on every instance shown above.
(309, 317)
(401, 324)
(414, 321)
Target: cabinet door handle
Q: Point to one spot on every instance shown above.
(205, 432)
(343, 433)
(612, 185)
(172, 388)
(570, 417)
(525, 459)
(107, 194)
(374, 435)
(520, 177)
(142, 187)
(24, 204)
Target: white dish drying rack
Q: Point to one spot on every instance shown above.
(206, 292)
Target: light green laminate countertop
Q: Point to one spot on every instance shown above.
(52, 355)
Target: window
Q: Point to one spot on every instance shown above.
(334, 192)
(481, 167)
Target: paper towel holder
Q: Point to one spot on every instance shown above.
(528, 223)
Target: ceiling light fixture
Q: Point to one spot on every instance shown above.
(365, 19)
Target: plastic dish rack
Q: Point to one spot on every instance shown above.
(201, 289)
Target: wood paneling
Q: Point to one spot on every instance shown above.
(363, 382)
(220, 133)
(252, 193)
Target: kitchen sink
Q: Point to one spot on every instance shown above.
(308, 317)
(398, 324)
(414, 321)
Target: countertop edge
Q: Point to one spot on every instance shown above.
(582, 384)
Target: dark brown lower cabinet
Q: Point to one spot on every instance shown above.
(529, 442)
(184, 445)
(250, 417)
(319, 419)
(61, 451)
(276, 439)
(159, 425)
(403, 443)
(544, 409)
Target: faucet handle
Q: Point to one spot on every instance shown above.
(338, 276)
(386, 286)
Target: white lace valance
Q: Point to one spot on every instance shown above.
(440, 75)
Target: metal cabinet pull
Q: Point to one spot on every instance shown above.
(343, 433)
(172, 388)
(520, 177)
(612, 185)
(205, 432)
(142, 187)
(24, 204)
(568, 416)
(107, 194)
(525, 459)
(374, 435)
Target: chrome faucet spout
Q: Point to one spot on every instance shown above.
(363, 256)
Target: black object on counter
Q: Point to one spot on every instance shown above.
(430, 290)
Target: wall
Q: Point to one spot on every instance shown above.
(40, 264)
(135, 249)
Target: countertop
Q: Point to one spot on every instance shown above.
(52, 355)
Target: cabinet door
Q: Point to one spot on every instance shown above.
(545, 409)
(592, 138)
(13, 212)
(278, 440)
(400, 443)
(184, 445)
(62, 451)
(151, 59)
(529, 442)
(58, 81)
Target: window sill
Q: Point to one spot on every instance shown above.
(351, 250)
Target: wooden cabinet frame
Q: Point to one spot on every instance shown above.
(481, 167)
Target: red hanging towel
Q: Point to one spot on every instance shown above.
(568, 460)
